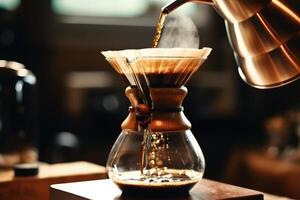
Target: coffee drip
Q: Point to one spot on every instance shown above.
(156, 149)
(159, 28)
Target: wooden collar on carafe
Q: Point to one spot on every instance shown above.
(166, 112)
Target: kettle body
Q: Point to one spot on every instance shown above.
(265, 37)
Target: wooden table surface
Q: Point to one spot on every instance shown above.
(106, 190)
(37, 187)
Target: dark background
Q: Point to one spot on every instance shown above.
(226, 113)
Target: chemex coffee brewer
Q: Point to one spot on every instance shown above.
(156, 152)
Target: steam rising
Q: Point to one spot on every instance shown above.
(179, 32)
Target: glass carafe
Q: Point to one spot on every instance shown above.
(156, 150)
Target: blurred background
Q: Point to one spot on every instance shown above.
(249, 137)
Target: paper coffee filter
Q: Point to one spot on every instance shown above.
(166, 67)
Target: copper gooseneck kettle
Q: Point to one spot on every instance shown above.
(265, 37)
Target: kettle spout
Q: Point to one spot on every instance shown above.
(172, 6)
(175, 4)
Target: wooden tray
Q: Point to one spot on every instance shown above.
(106, 190)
